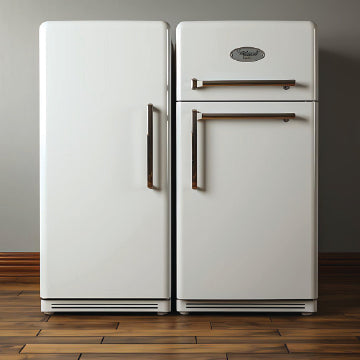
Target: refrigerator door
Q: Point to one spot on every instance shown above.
(246, 60)
(104, 232)
(246, 201)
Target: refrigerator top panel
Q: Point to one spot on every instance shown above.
(246, 60)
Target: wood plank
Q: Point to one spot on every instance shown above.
(331, 308)
(16, 295)
(19, 280)
(149, 340)
(40, 357)
(156, 332)
(11, 325)
(153, 348)
(154, 318)
(276, 340)
(12, 332)
(324, 348)
(233, 325)
(309, 319)
(318, 325)
(335, 332)
(20, 255)
(162, 321)
(356, 314)
(164, 326)
(50, 340)
(236, 324)
(29, 293)
(231, 356)
(339, 259)
(22, 270)
(31, 309)
(19, 271)
(19, 283)
(19, 264)
(153, 357)
(16, 301)
(10, 348)
(7, 293)
(21, 316)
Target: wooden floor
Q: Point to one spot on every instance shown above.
(334, 333)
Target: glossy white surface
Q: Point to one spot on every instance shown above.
(203, 52)
(104, 234)
(250, 230)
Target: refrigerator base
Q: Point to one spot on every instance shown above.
(61, 305)
(302, 306)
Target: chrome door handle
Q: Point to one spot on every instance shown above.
(196, 116)
(150, 158)
(196, 84)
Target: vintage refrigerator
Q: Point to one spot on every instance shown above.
(247, 105)
(104, 184)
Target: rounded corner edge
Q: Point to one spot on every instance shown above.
(165, 24)
(179, 26)
(43, 26)
(313, 25)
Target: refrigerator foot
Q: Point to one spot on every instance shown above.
(162, 313)
(306, 313)
(184, 313)
(48, 313)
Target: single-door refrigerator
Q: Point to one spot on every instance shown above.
(247, 166)
(104, 187)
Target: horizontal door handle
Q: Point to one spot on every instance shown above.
(196, 84)
(225, 116)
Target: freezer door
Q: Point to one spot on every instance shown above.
(104, 226)
(246, 201)
(246, 60)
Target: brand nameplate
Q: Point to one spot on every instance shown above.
(247, 54)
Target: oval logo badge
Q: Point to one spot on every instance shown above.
(247, 54)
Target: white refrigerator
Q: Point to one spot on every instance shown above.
(104, 184)
(247, 104)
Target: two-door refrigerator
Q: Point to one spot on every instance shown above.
(246, 166)
(104, 185)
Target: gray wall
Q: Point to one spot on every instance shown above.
(339, 36)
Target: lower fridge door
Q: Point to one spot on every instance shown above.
(246, 203)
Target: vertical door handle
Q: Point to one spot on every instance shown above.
(150, 155)
(196, 115)
(194, 150)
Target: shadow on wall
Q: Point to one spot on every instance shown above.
(339, 152)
